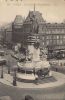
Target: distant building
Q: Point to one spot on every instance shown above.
(35, 29)
(6, 33)
(28, 32)
(17, 29)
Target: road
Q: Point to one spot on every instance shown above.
(57, 93)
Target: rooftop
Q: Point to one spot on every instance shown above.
(35, 16)
(18, 20)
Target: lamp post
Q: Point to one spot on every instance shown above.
(14, 76)
(34, 72)
(9, 67)
(2, 72)
(2, 62)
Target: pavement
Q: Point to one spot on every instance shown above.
(57, 92)
(5, 98)
(60, 80)
(37, 91)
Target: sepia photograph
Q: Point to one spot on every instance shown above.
(32, 49)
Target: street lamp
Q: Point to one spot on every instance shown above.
(2, 62)
(2, 71)
(34, 72)
(9, 67)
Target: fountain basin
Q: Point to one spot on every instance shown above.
(29, 70)
(29, 77)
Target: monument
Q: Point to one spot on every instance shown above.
(34, 67)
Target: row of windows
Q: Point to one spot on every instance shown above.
(55, 31)
(55, 42)
(55, 37)
(52, 28)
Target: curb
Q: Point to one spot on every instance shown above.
(60, 81)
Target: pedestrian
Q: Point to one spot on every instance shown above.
(28, 97)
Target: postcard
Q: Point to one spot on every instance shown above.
(32, 49)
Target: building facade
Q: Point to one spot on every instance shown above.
(35, 29)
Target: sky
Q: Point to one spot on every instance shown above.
(52, 10)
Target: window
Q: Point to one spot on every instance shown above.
(43, 38)
(61, 36)
(57, 42)
(64, 36)
(57, 37)
(61, 41)
(47, 42)
(54, 37)
(43, 43)
(50, 41)
(54, 42)
(49, 37)
(48, 31)
(62, 30)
